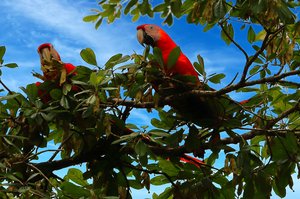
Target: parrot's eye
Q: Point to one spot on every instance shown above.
(151, 27)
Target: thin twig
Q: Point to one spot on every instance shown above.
(234, 42)
(60, 147)
(151, 172)
(10, 92)
(264, 45)
(40, 172)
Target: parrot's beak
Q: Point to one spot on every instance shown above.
(144, 38)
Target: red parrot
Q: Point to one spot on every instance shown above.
(47, 53)
(153, 35)
(52, 72)
(206, 111)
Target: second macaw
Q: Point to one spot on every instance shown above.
(54, 70)
(48, 53)
(153, 35)
(205, 111)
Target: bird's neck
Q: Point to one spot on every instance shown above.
(165, 43)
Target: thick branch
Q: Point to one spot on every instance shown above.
(234, 86)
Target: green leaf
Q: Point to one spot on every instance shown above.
(127, 66)
(260, 36)
(74, 191)
(176, 7)
(98, 78)
(159, 180)
(208, 27)
(200, 65)
(158, 56)
(254, 69)
(67, 88)
(230, 33)
(76, 176)
(91, 100)
(168, 167)
(173, 57)
(64, 102)
(220, 9)
(216, 78)
(31, 91)
(114, 60)
(91, 18)
(126, 138)
(11, 65)
(141, 148)
(10, 96)
(285, 14)
(2, 52)
(130, 4)
(135, 17)
(56, 94)
(88, 56)
(167, 194)
(251, 35)
(98, 23)
(160, 7)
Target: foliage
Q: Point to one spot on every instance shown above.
(260, 142)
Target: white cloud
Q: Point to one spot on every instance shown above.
(64, 19)
(31, 23)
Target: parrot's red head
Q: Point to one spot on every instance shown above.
(154, 36)
(47, 55)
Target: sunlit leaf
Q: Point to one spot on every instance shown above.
(251, 35)
(216, 78)
(2, 52)
(11, 65)
(76, 176)
(8, 97)
(91, 18)
(88, 56)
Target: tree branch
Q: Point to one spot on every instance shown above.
(269, 125)
(264, 45)
(234, 86)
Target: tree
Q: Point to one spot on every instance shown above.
(91, 127)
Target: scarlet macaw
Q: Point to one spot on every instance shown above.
(48, 53)
(206, 111)
(53, 68)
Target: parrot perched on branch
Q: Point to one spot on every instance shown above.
(54, 70)
(154, 36)
(207, 111)
(51, 70)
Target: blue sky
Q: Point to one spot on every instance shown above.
(24, 25)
